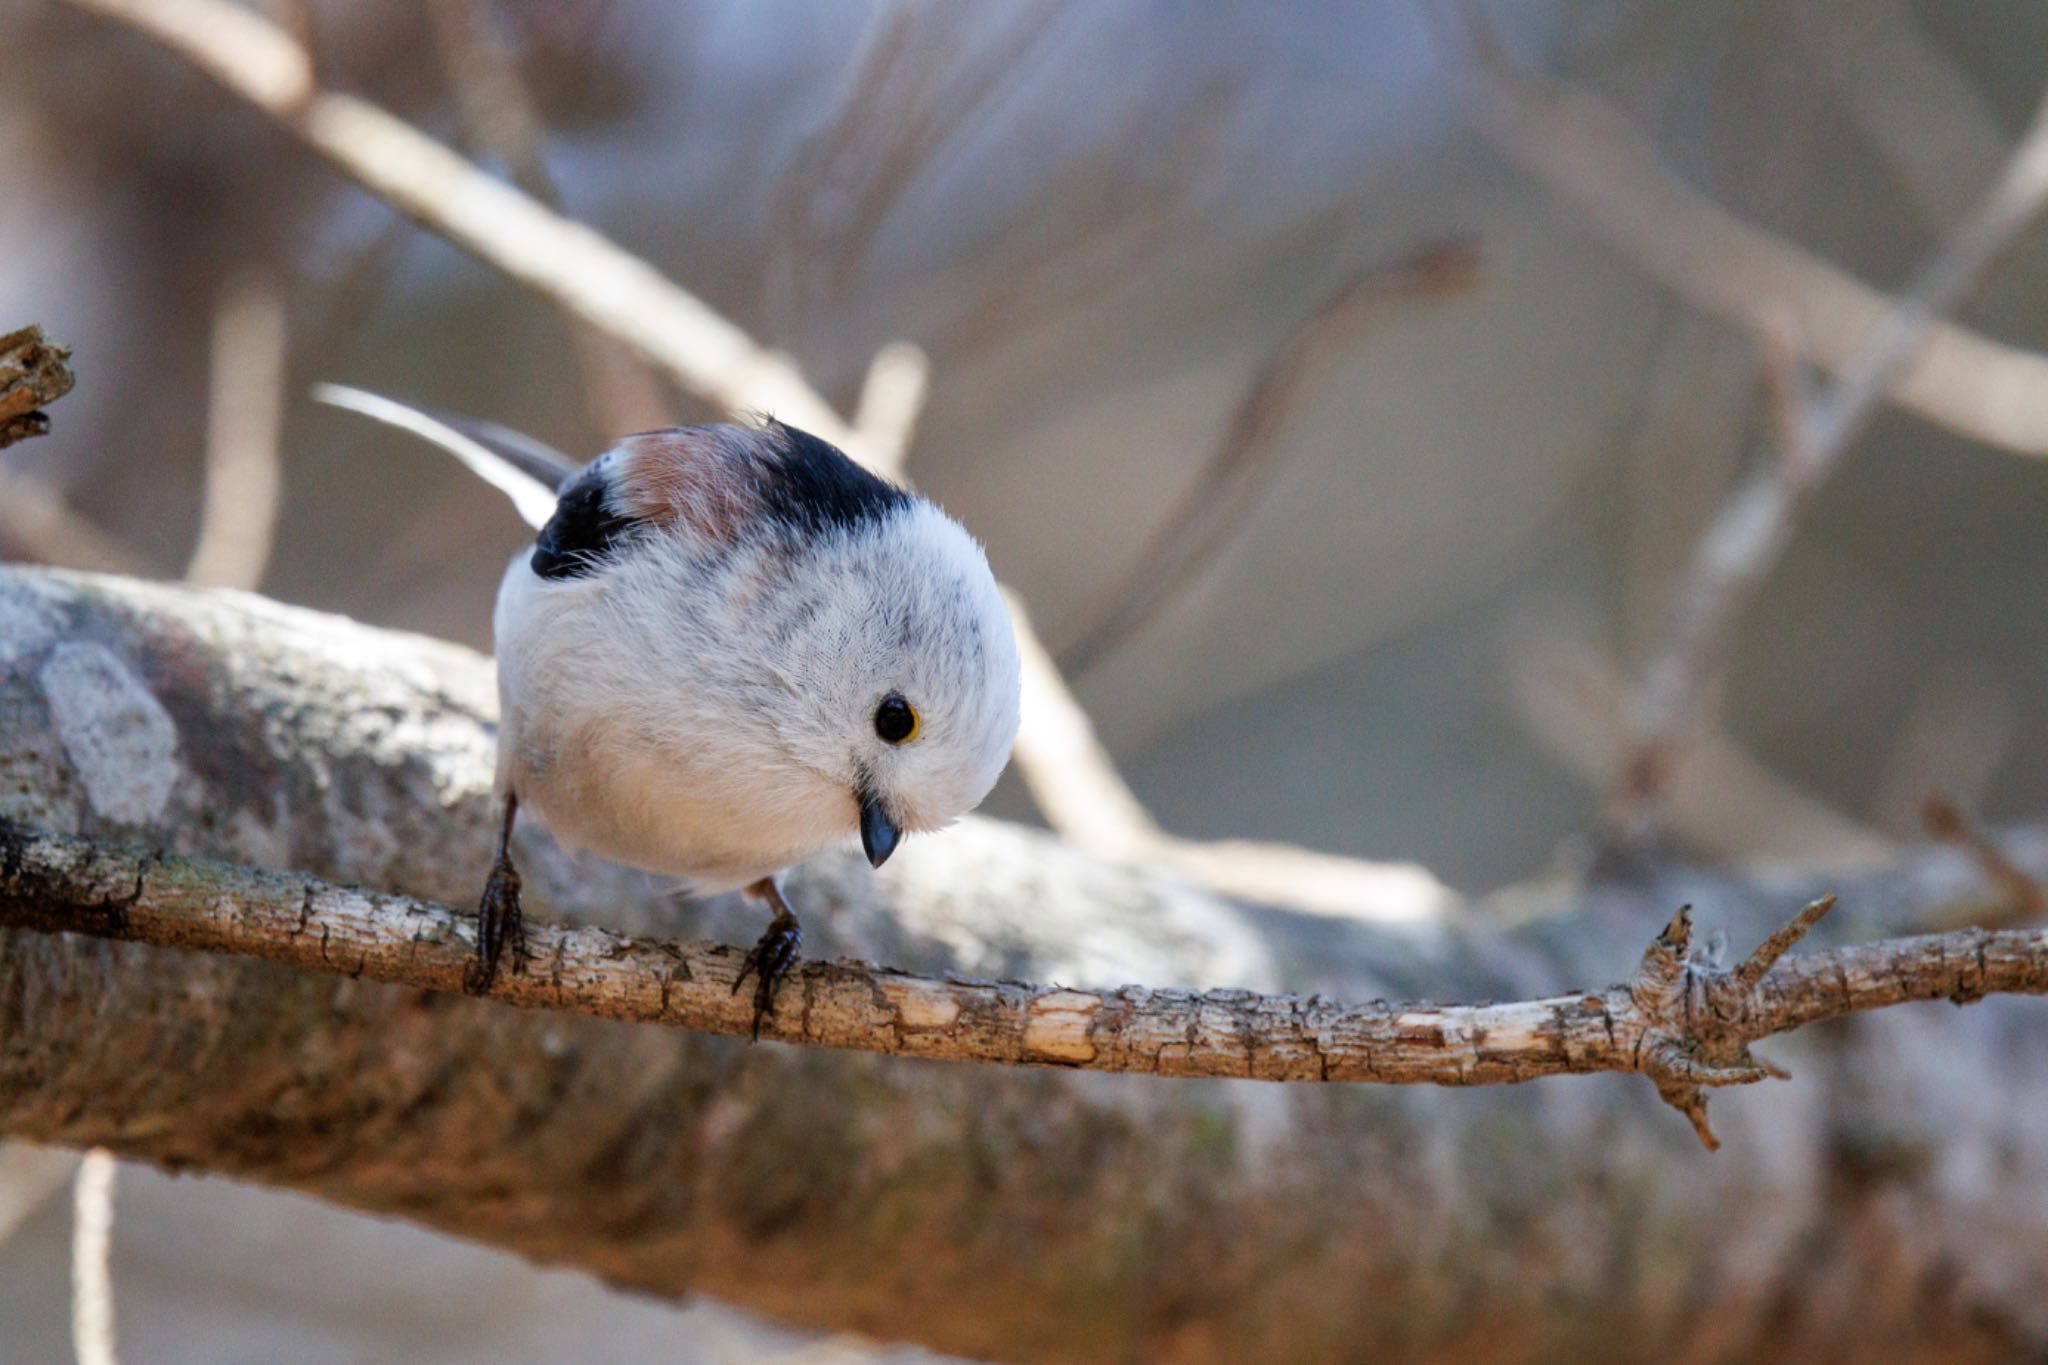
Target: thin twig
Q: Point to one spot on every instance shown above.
(569, 264)
(244, 426)
(1241, 467)
(892, 399)
(2025, 899)
(500, 119)
(1574, 701)
(1686, 1025)
(34, 518)
(1743, 544)
(1587, 153)
(92, 1246)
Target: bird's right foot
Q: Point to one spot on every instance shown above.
(499, 925)
(771, 959)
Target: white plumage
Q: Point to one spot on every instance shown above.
(730, 649)
(708, 712)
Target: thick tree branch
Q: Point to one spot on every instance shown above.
(1028, 1212)
(1684, 1024)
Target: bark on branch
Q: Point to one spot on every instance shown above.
(1028, 1212)
(1682, 1022)
(34, 373)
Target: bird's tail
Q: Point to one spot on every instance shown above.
(527, 471)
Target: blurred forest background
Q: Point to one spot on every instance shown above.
(1098, 222)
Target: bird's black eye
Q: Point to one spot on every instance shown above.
(896, 720)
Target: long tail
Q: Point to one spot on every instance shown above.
(527, 471)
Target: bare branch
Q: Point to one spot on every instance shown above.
(1587, 153)
(1743, 544)
(92, 1245)
(500, 119)
(674, 1163)
(34, 518)
(56, 883)
(34, 373)
(575, 268)
(891, 400)
(1240, 468)
(244, 424)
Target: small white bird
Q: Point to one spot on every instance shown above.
(729, 649)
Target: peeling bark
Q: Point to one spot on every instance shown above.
(1892, 1198)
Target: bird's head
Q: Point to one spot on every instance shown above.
(903, 661)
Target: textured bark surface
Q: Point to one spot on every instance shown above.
(34, 372)
(1893, 1196)
(1684, 1022)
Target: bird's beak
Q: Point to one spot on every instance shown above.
(878, 833)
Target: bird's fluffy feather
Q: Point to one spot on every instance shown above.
(691, 657)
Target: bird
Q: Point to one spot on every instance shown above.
(728, 649)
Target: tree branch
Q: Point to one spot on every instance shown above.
(578, 270)
(1744, 542)
(1684, 1024)
(244, 425)
(34, 373)
(1588, 154)
(1028, 1212)
(1240, 467)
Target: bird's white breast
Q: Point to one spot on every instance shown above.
(632, 728)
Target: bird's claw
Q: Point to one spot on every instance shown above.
(769, 961)
(499, 926)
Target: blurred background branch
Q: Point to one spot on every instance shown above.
(1240, 466)
(244, 425)
(499, 119)
(1746, 539)
(1586, 152)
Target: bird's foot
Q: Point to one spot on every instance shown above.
(769, 961)
(499, 926)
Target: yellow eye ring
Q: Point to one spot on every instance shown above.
(896, 720)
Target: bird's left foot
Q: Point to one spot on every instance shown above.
(773, 957)
(499, 928)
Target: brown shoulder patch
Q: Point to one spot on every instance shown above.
(696, 477)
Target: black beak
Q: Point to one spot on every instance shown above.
(878, 833)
